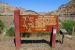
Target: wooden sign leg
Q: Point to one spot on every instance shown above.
(54, 38)
(17, 40)
(17, 31)
(55, 29)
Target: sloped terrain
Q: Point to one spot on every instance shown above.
(66, 9)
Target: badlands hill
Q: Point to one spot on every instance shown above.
(66, 9)
(6, 9)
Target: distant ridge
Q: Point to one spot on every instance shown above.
(65, 9)
(6, 9)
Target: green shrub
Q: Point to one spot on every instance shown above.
(38, 34)
(68, 25)
(0, 14)
(26, 34)
(10, 32)
(1, 26)
(43, 33)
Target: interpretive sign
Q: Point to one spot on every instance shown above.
(33, 23)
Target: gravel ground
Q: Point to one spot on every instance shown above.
(37, 43)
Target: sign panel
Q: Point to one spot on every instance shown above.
(36, 23)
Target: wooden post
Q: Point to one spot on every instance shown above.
(56, 23)
(73, 31)
(54, 37)
(54, 31)
(17, 32)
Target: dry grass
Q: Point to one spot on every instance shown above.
(7, 43)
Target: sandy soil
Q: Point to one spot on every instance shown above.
(36, 43)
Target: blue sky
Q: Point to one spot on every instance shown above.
(36, 5)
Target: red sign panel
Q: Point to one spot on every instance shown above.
(37, 23)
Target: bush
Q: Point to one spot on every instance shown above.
(0, 14)
(43, 33)
(1, 26)
(25, 34)
(68, 25)
(10, 32)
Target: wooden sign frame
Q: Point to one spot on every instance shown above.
(22, 26)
